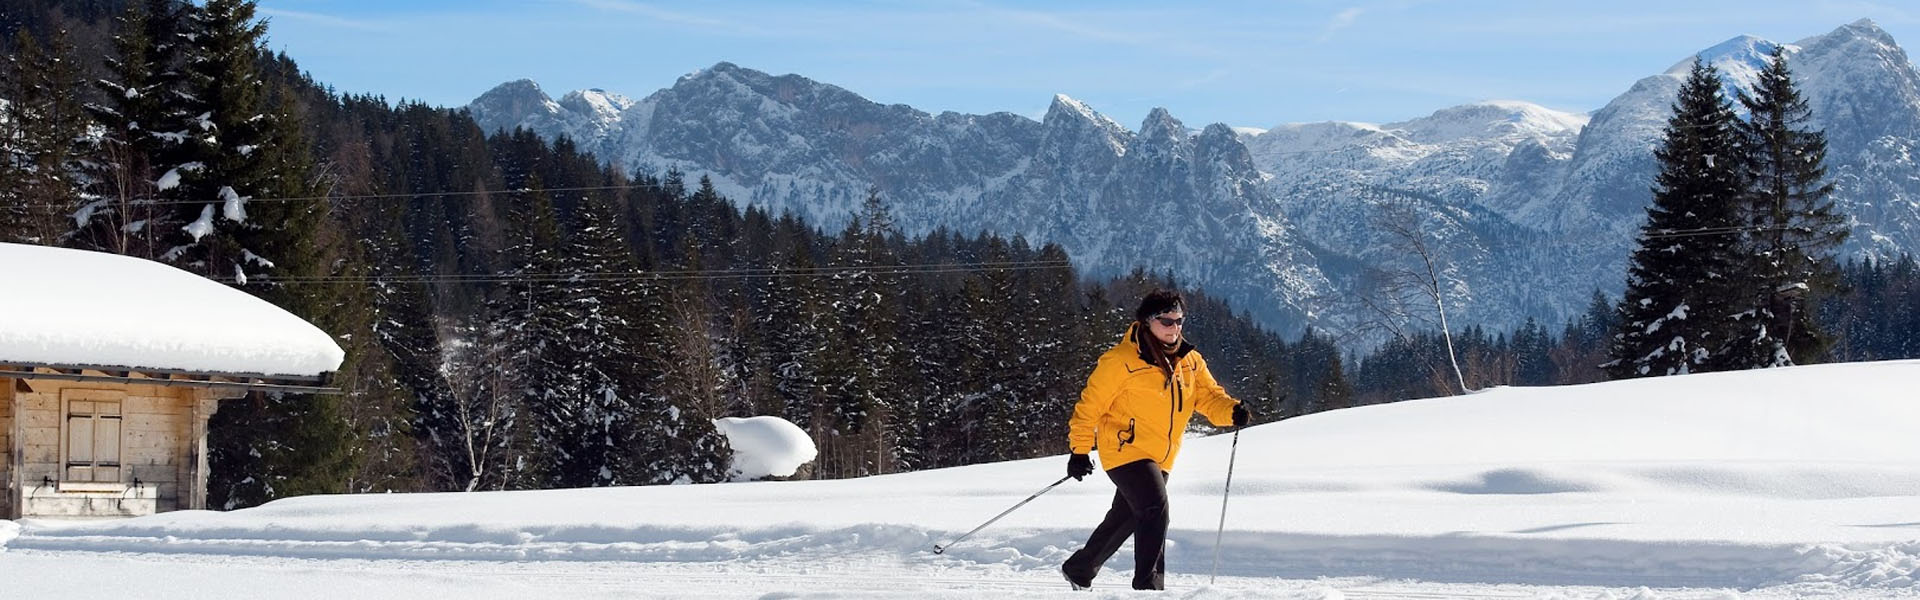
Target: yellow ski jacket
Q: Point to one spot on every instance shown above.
(1132, 410)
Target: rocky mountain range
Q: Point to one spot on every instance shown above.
(1525, 210)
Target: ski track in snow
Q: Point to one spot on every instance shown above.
(893, 561)
(859, 575)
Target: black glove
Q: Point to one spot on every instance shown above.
(1079, 466)
(1242, 415)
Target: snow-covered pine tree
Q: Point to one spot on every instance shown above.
(1878, 317)
(1792, 220)
(683, 320)
(1584, 342)
(910, 416)
(712, 225)
(751, 328)
(793, 327)
(690, 374)
(1052, 325)
(245, 140)
(840, 407)
(1680, 297)
(398, 372)
(866, 327)
(948, 362)
(373, 322)
(1018, 385)
(668, 220)
(986, 401)
(371, 421)
(1332, 391)
(1532, 353)
(242, 142)
(531, 317)
(138, 125)
(688, 381)
(43, 141)
(1319, 383)
(604, 405)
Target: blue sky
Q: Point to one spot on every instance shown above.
(1242, 63)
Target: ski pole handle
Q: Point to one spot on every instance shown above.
(940, 548)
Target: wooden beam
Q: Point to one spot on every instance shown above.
(201, 406)
(174, 380)
(315, 380)
(17, 454)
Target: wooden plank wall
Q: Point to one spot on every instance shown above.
(154, 441)
(7, 484)
(37, 422)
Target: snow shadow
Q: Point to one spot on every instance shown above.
(1458, 558)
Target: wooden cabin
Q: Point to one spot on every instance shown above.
(110, 367)
(98, 441)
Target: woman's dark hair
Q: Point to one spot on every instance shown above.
(1158, 301)
(1151, 348)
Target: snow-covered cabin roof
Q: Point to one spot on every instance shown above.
(72, 307)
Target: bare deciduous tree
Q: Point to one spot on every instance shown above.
(1411, 292)
(482, 411)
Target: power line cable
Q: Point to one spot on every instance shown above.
(338, 197)
(680, 275)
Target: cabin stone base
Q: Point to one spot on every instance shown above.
(45, 501)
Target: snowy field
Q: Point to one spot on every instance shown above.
(1788, 483)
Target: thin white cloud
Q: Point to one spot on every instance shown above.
(327, 20)
(1069, 26)
(1341, 21)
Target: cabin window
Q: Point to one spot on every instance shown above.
(93, 440)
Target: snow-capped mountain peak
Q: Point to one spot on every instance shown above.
(1492, 120)
(596, 102)
(1161, 128)
(1866, 30)
(718, 69)
(512, 103)
(1537, 207)
(1073, 118)
(1739, 60)
(516, 89)
(1063, 102)
(581, 115)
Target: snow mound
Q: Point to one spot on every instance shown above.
(1855, 413)
(766, 446)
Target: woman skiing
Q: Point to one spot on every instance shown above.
(1135, 409)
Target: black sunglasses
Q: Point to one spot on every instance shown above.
(1166, 322)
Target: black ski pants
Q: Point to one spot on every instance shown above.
(1139, 510)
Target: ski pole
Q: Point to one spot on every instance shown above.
(939, 548)
(1231, 454)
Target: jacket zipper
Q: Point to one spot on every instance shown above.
(1173, 408)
